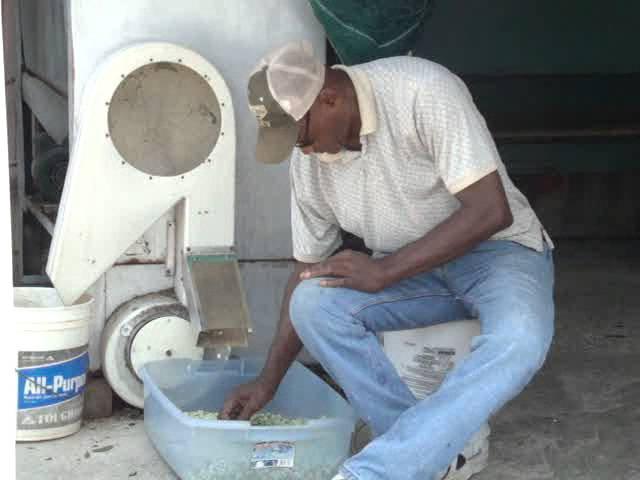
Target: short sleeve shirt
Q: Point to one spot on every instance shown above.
(423, 141)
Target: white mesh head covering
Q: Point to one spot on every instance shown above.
(295, 77)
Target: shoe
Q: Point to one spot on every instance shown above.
(463, 468)
(473, 459)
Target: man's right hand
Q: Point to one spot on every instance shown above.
(248, 399)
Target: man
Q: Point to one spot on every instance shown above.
(395, 152)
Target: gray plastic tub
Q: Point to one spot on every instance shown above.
(206, 450)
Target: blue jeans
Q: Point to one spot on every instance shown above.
(507, 286)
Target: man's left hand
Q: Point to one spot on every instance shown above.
(352, 270)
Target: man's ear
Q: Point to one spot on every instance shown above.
(328, 96)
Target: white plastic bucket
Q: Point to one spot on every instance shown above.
(52, 348)
(424, 356)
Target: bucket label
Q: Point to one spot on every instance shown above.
(39, 359)
(427, 369)
(272, 455)
(54, 416)
(50, 387)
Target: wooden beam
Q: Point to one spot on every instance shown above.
(40, 212)
(551, 135)
(12, 49)
(50, 108)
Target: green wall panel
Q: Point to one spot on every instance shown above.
(533, 37)
(570, 158)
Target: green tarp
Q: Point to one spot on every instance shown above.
(364, 30)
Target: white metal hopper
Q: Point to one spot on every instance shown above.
(156, 130)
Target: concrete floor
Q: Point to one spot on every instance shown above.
(579, 418)
(116, 448)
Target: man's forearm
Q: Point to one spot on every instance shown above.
(466, 228)
(286, 344)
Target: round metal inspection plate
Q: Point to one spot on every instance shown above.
(162, 338)
(147, 328)
(164, 119)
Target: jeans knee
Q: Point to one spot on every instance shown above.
(530, 353)
(305, 304)
(321, 311)
(520, 354)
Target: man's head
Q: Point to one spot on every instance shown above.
(298, 102)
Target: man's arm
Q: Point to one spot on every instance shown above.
(286, 344)
(247, 399)
(484, 211)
